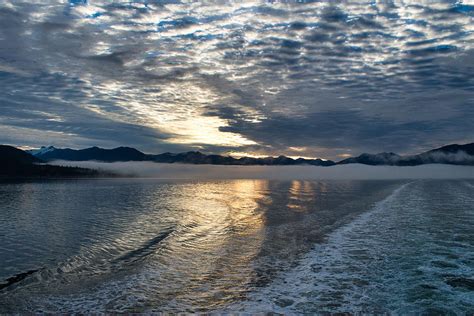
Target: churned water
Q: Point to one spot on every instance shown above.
(237, 245)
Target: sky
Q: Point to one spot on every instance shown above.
(325, 79)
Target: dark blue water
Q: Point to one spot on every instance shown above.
(237, 245)
(413, 253)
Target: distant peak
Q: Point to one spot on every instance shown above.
(41, 151)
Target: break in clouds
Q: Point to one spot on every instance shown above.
(314, 78)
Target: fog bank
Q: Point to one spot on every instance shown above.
(352, 171)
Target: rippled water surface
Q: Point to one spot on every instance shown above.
(237, 245)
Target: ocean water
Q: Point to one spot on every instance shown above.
(294, 247)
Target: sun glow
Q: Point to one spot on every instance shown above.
(205, 130)
(187, 124)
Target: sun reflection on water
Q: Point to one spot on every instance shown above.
(220, 232)
(299, 194)
(159, 246)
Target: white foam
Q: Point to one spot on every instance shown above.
(384, 261)
(291, 287)
(469, 185)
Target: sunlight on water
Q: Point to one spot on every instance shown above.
(148, 245)
(411, 254)
(300, 193)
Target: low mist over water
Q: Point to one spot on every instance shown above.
(353, 171)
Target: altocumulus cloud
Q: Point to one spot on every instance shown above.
(311, 78)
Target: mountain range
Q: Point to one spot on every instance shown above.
(15, 163)
(450, 154)
(190, 157)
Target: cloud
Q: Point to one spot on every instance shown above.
(333, 77)
(207, 172)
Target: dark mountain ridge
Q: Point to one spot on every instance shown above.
(93, 153)
(195, 157)
(190, 157)
(16, 163)
(373, 159)
(449, 154)
(10, 155)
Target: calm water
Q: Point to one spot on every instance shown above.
(238, 245)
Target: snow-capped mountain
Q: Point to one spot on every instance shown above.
(41, 151)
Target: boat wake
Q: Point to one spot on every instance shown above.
(386, 260)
